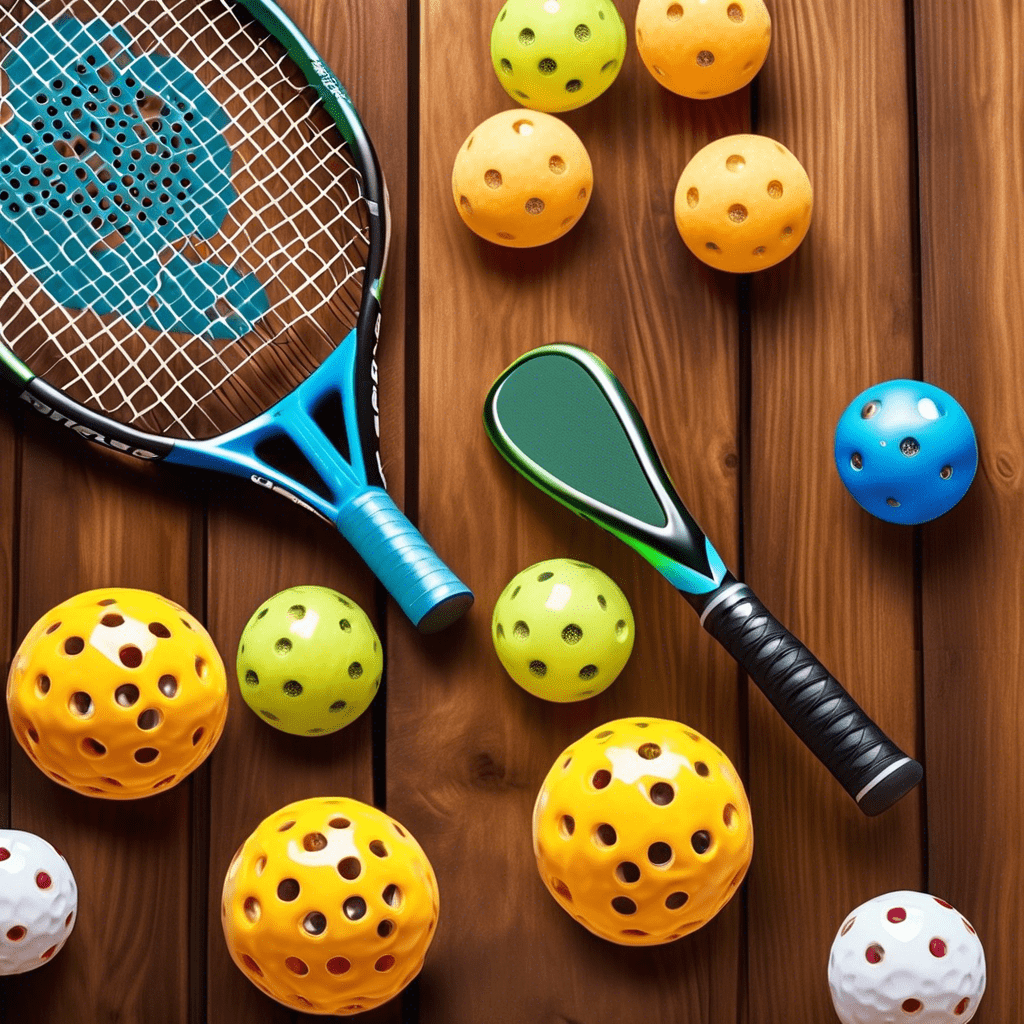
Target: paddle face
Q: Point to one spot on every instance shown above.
(560, 416)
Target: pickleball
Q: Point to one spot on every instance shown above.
(743, 203)
(117, 693)
(703, 48)
(906, 956)
(557, 55)
(563, 629)
(309, 661)
(642, 831)
(329, 906)
(38, 901)
(906, 451)
(522, 178)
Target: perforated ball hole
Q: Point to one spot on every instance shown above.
(160, 630)
(627, 872)
(4, 853)
(735, 13)
(896, 915)
(961, 1007)
(538, 669)
(338, 705)
(350, 868)
(16, 934)
(384, 963)
(534, 206)
(874, 954)
(705, 59)
(149, 719)
(659, 853)
(314, 923)
(492, 178)
(296, 966)
(967, 924)
(378, 849)
(737, 213)
(587, 673)
(43, 880)
(80, 703)
(662, 794)
(730, 816)
(126, 694)
(572, 634)
(74, 645)
(260, 866)
(201, 669)
(892, 502)
(42, 685)
(675, 900)
(562, 889)
(146, 755)
(288, 890)
(112, 620)
(556, 165)
(846, 927)
(712, 246)
(92, 748)
(912, 1005)
(338, 965)
(354, 908)
(701, 841)
(943, 903)
(130, 655)
(168, 686)
(675, 12)
(521, 631)
(523, 127)
(392, 896)
(53, 628)
(547, 66)
(605, 835)
(251, 964)
(872, 408)
(601, 778)
(946, 472)
(566, 826)
(252, 909)
(339, 823)
(623, 905)
(910, 446)
(937, 948)
(649, 751)
(857, 461)
(283, 646)
(285, 825)
(604, 734)
(385, 928)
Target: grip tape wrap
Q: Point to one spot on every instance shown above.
(429, 593)
(867, 764)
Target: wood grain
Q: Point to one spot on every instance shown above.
(467, 749)
(835, 318)
(87, 523)
(971, 173)
(258, 547)
(907, 118)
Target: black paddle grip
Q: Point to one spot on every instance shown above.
(867, 764)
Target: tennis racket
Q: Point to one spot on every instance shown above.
(562, 418)
(193, 233)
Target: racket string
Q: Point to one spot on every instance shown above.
(297, 224)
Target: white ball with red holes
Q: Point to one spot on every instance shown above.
(906, 957)
(38, 901)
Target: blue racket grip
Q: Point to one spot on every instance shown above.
(429, 593)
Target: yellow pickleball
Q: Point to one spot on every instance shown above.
(522, 178)
(703, 48)
(743, 203)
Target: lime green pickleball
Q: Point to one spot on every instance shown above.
(309, 661)
(557, 55)
(563, 630)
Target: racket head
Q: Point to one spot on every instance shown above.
(192, 220)
(562, 418)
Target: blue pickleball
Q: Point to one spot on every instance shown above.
(906, 451)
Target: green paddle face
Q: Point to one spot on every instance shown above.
(561, 417)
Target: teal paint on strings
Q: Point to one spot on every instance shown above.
(109, 158)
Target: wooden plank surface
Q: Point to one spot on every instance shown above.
(971, 173)
(907, 118)
(835, 318)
